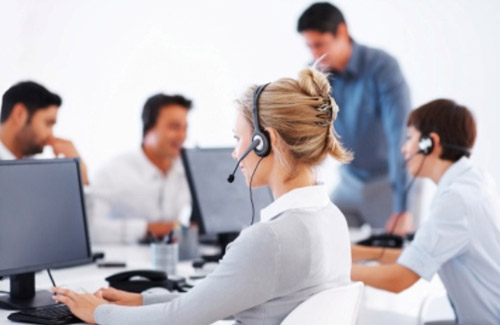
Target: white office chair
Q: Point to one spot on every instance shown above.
(332, 306)
(436, 309)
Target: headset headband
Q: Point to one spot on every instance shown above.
(256, 96)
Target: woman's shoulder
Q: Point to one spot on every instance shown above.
(259, 234)
(260, 231)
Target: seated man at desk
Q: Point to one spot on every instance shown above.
(283, 130)
(145, 190)
(461, 239)
(29, 113)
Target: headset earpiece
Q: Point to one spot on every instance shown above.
(264, 147)
(425, 145)
(261, 143)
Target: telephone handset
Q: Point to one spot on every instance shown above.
(139, 280)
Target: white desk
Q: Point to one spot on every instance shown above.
(378, 307)
(405, 308)
(89, 278)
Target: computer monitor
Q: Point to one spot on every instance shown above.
(42, 225)
(219, 207)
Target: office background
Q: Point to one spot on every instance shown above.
(106, 57)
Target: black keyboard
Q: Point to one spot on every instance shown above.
(55, 314)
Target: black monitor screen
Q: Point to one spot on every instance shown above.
(42, 216)
(222, 207)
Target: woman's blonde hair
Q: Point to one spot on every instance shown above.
(302, 113)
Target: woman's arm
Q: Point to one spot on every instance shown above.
(245, 278)
(393, 277)
(379, 254)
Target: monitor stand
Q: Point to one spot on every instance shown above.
(23, 294)
(222, 240)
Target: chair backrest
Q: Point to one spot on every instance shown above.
(436, 307)
(333, 306)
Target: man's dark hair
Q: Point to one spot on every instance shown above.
(32, 95)
(153, 105)
(321, 17)
(454, 124)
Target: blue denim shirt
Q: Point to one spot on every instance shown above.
(374, 102)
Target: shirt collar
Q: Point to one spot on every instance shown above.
(5, 153)
(154, 172)
(353, 65)
(299, 198)
(456, 169)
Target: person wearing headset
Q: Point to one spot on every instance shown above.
(461, 239)
(283, 130)
(143, 192)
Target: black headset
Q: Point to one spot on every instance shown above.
(261, 143)
(426, 145)
(263, 148)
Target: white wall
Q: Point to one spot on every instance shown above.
(106, 57)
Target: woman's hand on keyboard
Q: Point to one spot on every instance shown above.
(81, 305)
(119, 297)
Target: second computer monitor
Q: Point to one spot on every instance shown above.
(221, 207)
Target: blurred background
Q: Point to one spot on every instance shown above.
(106, 57)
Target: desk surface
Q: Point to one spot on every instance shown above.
(377, 307)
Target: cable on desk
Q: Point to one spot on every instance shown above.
(406, 192)
(51, 278)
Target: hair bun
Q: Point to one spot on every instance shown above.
(314, 83)
(302, 112)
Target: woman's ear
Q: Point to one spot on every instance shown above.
(273, 136)
(436, 140)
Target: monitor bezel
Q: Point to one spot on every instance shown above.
(196, 214)
(62, 264)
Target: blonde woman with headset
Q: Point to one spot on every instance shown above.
(299, 248)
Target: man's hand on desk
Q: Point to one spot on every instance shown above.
(119, 297)
(82, 305)
(161, 229)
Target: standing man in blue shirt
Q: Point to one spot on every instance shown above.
(374, 102)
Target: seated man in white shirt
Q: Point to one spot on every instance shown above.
(144, 191)
(29, 113)
(461, 239)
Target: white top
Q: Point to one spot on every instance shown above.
(5, 153)
(301, 249)
(461, 241)
(129, 191)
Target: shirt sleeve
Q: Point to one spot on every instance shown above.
(444, 236)
(244, 278)
(394, 97)
(156, 298)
